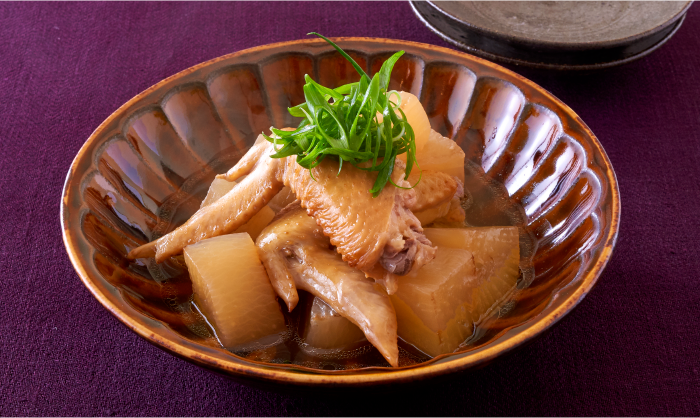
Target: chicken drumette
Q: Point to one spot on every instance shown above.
(296, 254)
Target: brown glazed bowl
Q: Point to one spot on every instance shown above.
(146, 168)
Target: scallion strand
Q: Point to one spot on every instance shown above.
(344, 123)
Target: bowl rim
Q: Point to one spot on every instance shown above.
(249, 370)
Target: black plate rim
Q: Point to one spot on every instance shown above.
(568, 46)
(503, 59)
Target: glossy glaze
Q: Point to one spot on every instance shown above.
(146, 168)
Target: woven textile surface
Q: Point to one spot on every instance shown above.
(632, 347)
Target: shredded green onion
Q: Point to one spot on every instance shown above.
(342, 123)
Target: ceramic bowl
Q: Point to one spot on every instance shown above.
(146, 168)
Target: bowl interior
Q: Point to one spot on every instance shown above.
(147, 167)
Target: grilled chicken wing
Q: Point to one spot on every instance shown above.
(296, 254)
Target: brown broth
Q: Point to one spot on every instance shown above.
(486, 203)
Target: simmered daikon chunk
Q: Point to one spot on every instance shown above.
(416, 117)
(326, 329)
(433, 151)
(431, 304)
(474, 270)
(496, 254)
(217, 189)
(256, 224)
(233, 291)
(442, 154)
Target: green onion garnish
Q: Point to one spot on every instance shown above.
(342, 123)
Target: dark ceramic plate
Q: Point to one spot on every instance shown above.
(145, 169)
(566, 35)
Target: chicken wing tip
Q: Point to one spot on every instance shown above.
(144, 251)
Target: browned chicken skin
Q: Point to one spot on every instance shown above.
(296, 254)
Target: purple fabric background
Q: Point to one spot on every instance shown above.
(632, 347)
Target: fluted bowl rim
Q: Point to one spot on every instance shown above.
(253, 371)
